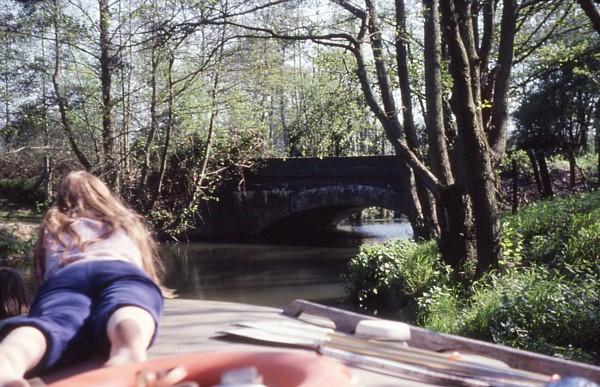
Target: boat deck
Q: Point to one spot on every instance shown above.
(192, 326)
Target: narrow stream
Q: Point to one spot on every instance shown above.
(269, 273)
(273, 274)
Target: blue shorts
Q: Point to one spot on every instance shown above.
(73, 306)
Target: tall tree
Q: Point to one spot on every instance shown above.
(56, 82)
(479, 176)
(425, 200)
(479, 144)
(106, 73)
(454, 216)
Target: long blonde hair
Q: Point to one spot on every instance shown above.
(81, 194)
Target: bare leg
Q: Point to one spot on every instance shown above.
(129, 330)
(21, 350)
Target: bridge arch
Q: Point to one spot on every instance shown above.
(304, 192)
(324, 207)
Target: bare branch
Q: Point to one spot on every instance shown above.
(257, 8)
(286, 36)
(353, 9)
(18, 150)
(551, 68)
(541, 41)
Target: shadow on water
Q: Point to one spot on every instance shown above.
(272, 272)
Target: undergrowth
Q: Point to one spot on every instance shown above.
(544, 296)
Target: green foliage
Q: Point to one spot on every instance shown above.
(553, 231)
(520, 157)
(544, 296)
(536, 309)
(558, 111)
(587, 161)
(12, 248)
(530, 308)
(177, 210)
(439, 309)
(478, 309)
(512, 244)
(41, 206)
(388, 277)
(583, 249)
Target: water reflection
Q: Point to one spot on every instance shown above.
(378, 231)
(272, 274)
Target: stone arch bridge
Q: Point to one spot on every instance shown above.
(305, 193)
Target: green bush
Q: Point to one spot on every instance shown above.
(13, 249)
(390, 277)
(512, 245)
(543, 311)
(520, 157)
(583, 248)
(586, 161)
(440, 310)
(530, 308)
(543, 297)
(548, 227)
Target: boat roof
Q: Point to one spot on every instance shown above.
(189, 326)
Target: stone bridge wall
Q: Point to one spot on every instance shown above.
(301, 193)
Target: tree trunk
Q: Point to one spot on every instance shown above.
(106, 65)
(487, 39)
(58, 92)
(415, 211)
(424, 197)
(214, 99)
(390, 116)
(390, 130)
(496, 131)
(456, 244)
(546, 182)
(572, 167)
(598, 154)
(169, 128)
(125, 75)
(480, 176)
(592, 12)
(143, 182)
(515, 187)
(6, 89)
(450, 208)
(47, 160)
(536, 170)
(467, 31)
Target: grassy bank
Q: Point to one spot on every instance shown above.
(544, 296)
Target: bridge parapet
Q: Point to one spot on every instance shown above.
(296, 173)
(300, 193)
